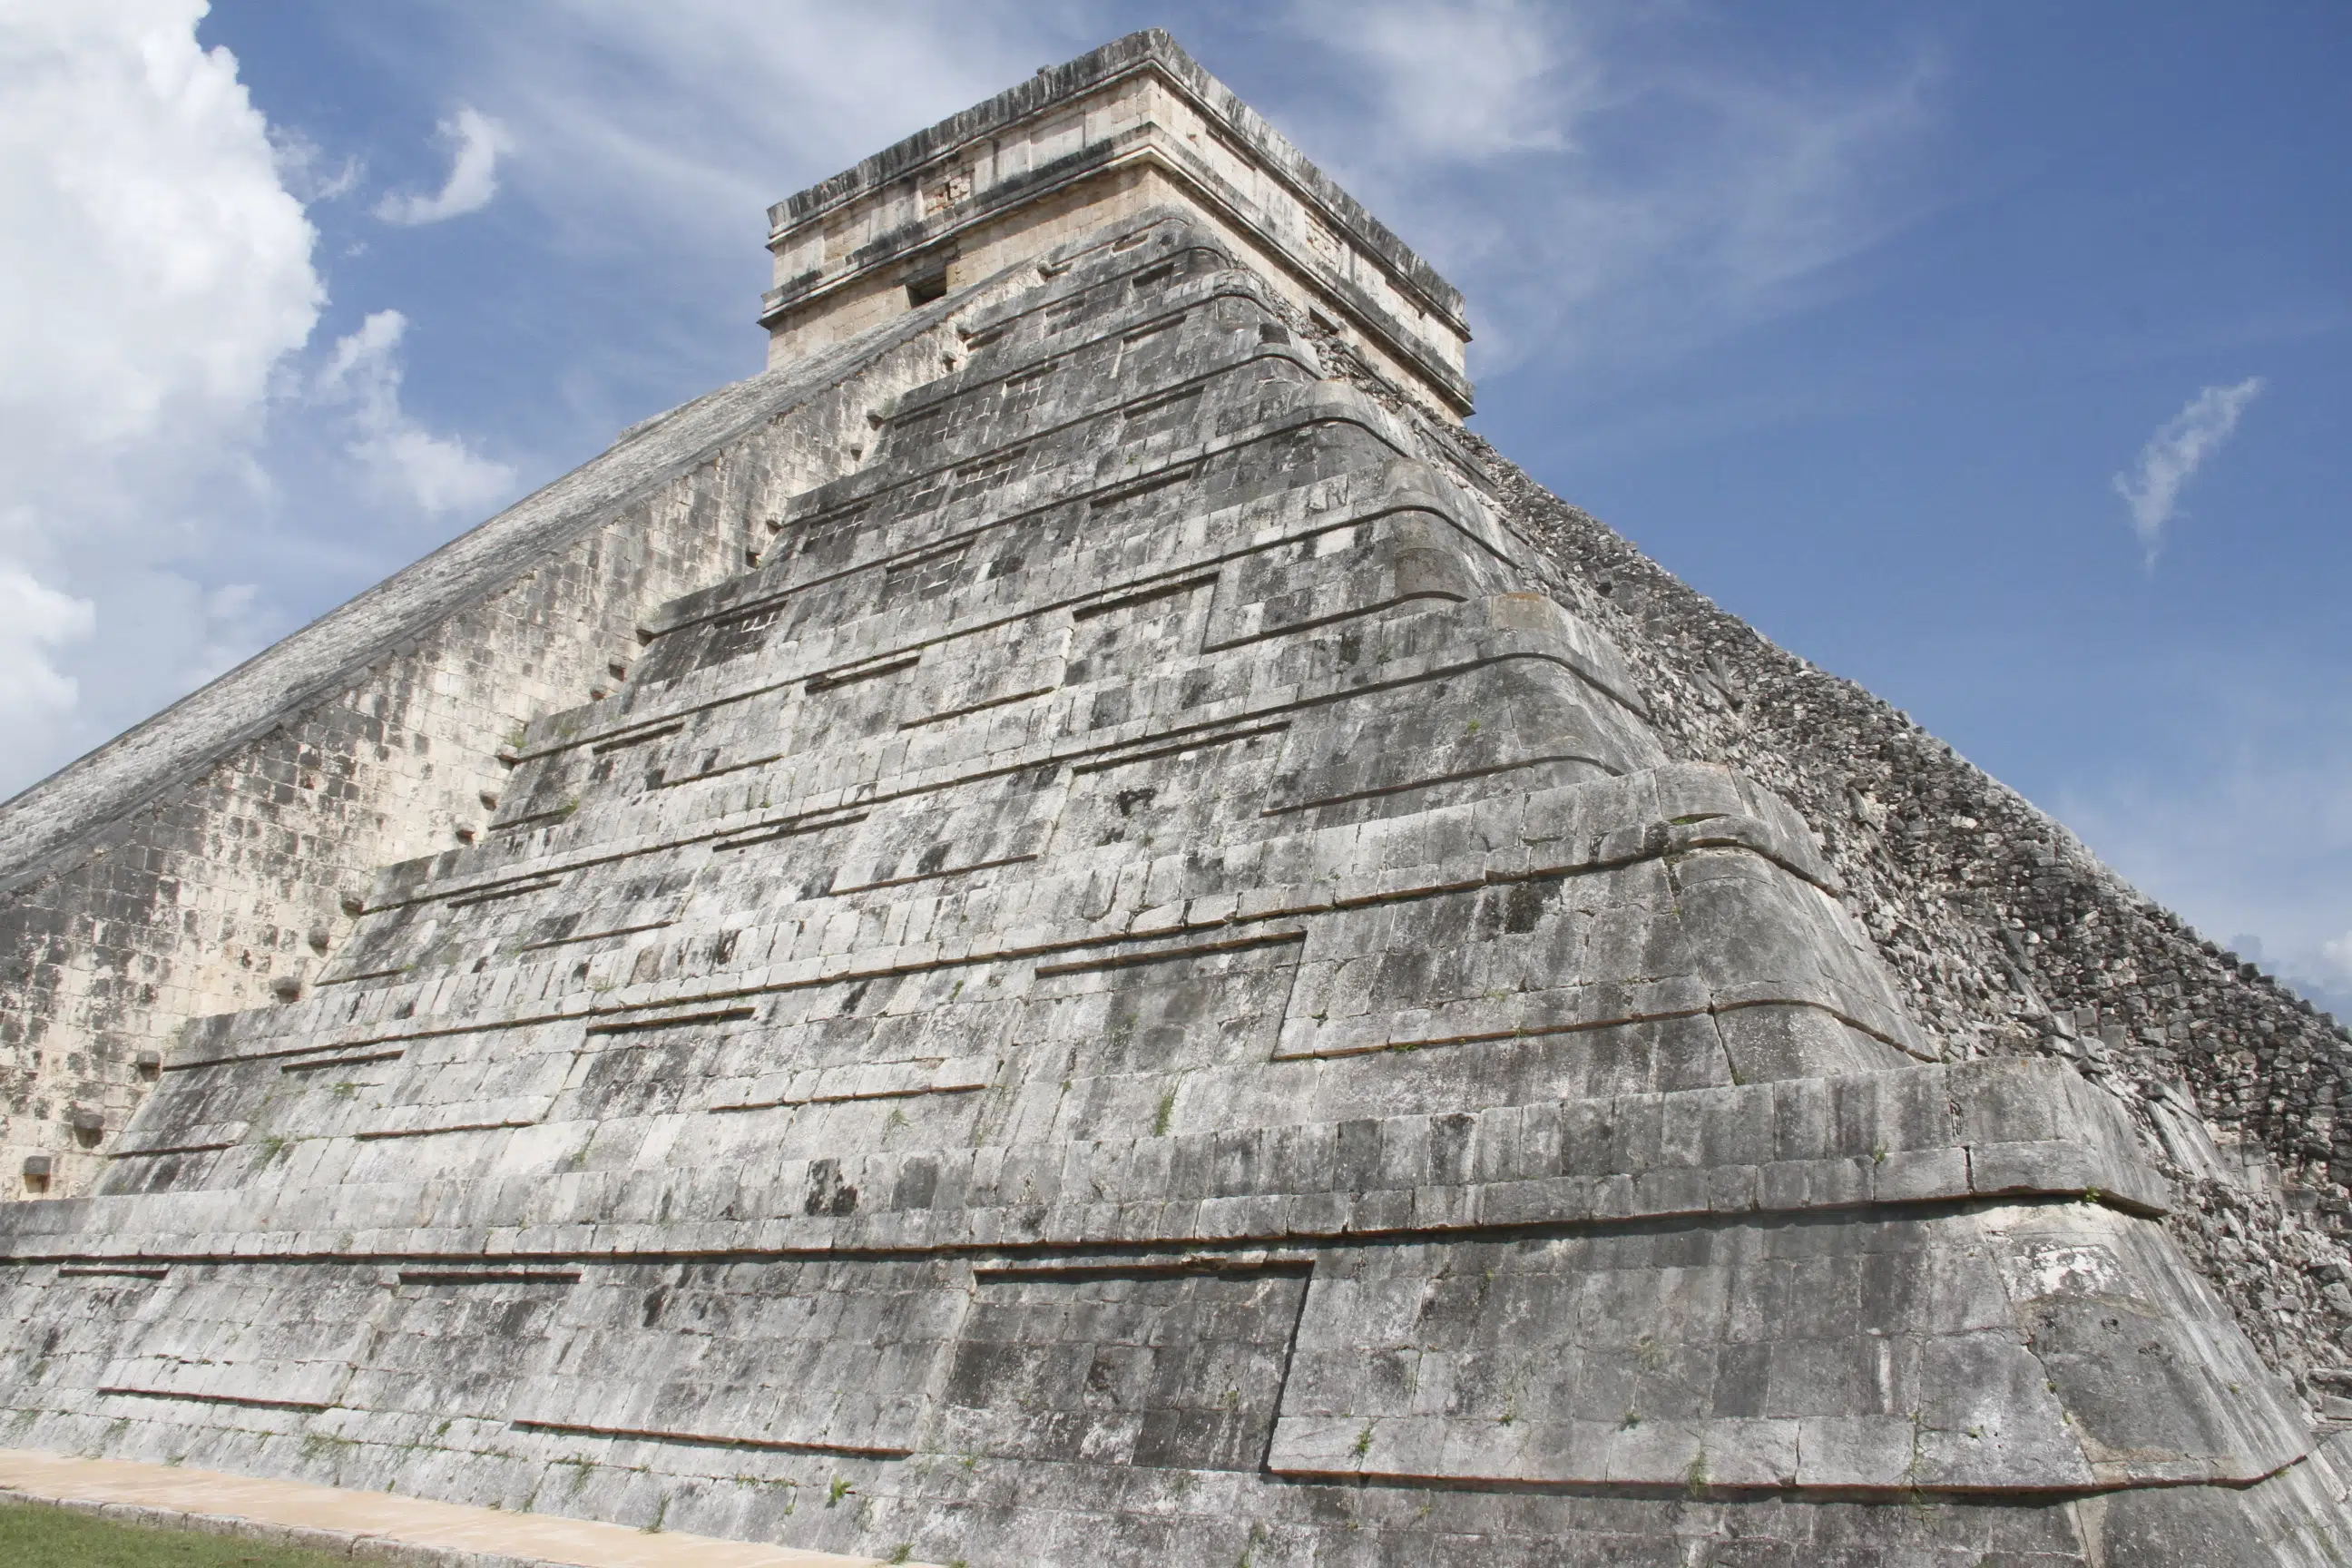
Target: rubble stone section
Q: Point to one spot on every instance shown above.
(1143, 989)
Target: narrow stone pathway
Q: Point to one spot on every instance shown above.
(380, 1527)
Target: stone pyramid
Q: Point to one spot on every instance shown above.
(1121, 973)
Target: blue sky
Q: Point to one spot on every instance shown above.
(1995, 356)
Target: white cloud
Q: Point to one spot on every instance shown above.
(34, 621)
(2174, 454)
(407, 463)
(157, 271)
(157, 267)
(473, 174)
(1469, 80)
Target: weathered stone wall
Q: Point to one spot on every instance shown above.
(213, 859)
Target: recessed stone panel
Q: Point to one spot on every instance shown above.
(832, 1357)
(1155, 1368)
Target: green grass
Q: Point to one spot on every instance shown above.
(41, 1537)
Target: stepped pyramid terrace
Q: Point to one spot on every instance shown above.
(1073, 928)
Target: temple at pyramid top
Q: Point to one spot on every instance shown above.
(1072, 928)
(1135, 124)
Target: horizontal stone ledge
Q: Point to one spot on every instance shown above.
(706, 1439)
(1049, 355)
(196, 1397)
(1588, 829)
(1084, 488)
(164, 1151)
(482, 1275)
(2031, 1129)
(1488, 637)
(1241, 531)
(544, 1252)
(372, 1134)
(610, 725)
(1270, 710)
(1815, 1460)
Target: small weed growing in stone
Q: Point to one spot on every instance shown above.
(840, 1489)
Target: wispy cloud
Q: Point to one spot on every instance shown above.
(36, 620)
(2336, 954)
(698, 114)
(303, 167)
(2173, 454)
(1609, 184)
(408, 464)
(1604, 182)
(473, 174)
(1465, 81)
